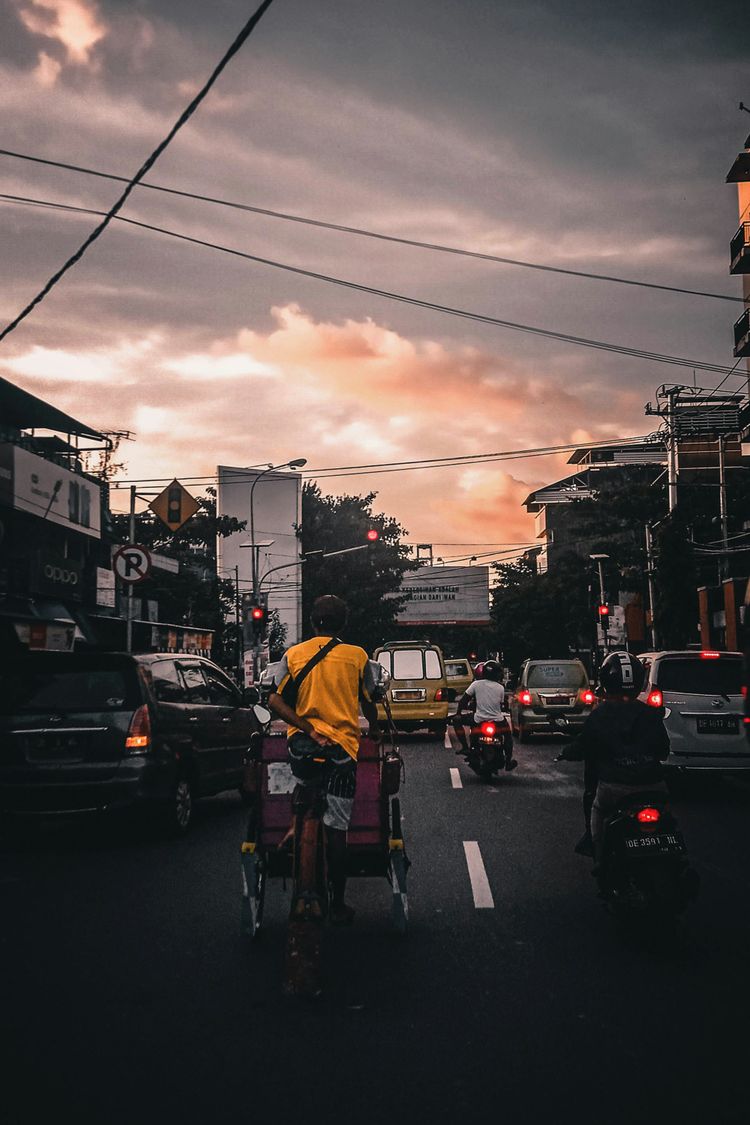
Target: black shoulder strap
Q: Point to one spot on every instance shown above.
(291, 689)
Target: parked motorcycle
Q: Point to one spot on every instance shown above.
(490, 748)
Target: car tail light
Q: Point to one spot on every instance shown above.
(587, 697)
(524, 697)
(648, 816)
(707, 654)
(440, 695)
(138, 740)
(488, 729)
(655, 698)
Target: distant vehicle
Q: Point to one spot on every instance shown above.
(700, 695)
(549, 689)
(82, 732)
(419, 692)
(459, 674)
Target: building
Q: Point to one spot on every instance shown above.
(56, 578)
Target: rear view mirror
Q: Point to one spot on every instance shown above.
(262, 714)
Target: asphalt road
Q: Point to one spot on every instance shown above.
(129, 997)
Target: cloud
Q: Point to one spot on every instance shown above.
(73, 23)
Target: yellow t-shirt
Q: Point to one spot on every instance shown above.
(329, 695)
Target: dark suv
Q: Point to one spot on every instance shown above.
(89, 731)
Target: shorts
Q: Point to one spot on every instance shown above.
(340, 774)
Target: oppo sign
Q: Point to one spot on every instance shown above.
(61, 576)
(53, 574)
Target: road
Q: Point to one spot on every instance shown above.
(128, 996)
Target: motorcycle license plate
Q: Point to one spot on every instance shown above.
(663, 843)
(717, 724)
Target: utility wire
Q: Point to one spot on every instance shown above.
(482, 318)
(379, 235)
(147, 164)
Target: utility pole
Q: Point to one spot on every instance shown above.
(238, 624)
(672, 465)
(650, 580)
(129, 603)
(724, 561)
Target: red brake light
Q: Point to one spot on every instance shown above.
(655, 698)
(440, 695)
(524, 697)
(139, 732)
(707, 655)
(587, 697)
(648, 816)
(488, 729)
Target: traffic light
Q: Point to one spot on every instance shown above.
(258, 617)
(373, 535)
(174, 504)
(603, 614)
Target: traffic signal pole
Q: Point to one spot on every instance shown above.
(129, 603)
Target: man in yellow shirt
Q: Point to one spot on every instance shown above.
(321, 704)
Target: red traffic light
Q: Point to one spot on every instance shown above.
(604, 611)
(373, 535)
(257, 613)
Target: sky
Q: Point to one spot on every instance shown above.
(569, 133)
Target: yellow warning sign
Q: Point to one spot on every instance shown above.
(174, 506)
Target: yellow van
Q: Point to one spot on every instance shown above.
(419, 693)
(459, 674)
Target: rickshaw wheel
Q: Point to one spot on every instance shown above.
(398, 864)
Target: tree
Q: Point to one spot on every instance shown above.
(196, 595)
(369, 580)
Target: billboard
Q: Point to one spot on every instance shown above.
(43, 488)
(446, 595)
(277, 512)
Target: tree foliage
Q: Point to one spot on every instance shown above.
(369, 580)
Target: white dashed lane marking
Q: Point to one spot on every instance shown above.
(456, 781)
(480, 884)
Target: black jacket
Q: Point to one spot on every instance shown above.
(623, 743)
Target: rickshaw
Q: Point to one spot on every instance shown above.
(375, 844)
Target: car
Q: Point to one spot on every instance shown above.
(87, 731)
(458, 674)
(419, 692)
(699, 693)
(548, 690)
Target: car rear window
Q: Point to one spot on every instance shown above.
(75, 689)
(696, 676)
(412, 664)
(456, 668)
(557, 675)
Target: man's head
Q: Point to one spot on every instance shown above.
(328, 615)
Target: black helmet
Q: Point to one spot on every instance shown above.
(492, 670)
(622, 673)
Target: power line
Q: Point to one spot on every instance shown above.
(147, 164)
(364, 233)
(449, 310)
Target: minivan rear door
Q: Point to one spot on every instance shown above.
(702, 697)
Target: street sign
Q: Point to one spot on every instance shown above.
(131, 563)
(174, 506)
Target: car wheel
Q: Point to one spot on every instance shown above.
(178, 812)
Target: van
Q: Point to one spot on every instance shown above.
(419, 692)
(89, 731)
(547, 690)
(459, 675)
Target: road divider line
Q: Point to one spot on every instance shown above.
(456, 781)
(480, 884)
(447, 740)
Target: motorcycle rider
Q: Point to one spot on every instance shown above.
(485, 696)
(622, 743)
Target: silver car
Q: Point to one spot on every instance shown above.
(700, 696)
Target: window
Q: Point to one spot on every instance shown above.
(221, 691)
(412, 664)
(697, 676)
(31, 689)
(456, 668)
(433, 671)
(197, 688)
(557, 675)
(168, 687)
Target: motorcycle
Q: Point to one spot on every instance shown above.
(490, 748)
(644, 875)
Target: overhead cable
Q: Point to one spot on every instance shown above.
(364, 233)
(147, 164)
(417, 302)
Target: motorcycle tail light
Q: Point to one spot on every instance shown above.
(138, 739)
(587, 697)
(488, 729)
(655, 698)
(524, 697)
(648, 816)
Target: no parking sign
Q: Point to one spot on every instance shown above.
(132, 563)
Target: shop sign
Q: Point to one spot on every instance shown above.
(59, 576)
(105, 587)
(46, 490)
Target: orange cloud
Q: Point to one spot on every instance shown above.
(73, 23)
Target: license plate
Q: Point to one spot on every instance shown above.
(717, 724)
(558, 700)
(53, 748)
(664, 842)
(405, 695)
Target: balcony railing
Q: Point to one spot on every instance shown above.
(739, 250)
(742, 335)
